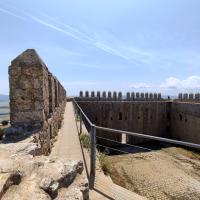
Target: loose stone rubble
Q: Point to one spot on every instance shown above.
(23, 176)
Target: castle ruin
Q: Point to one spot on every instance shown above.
(37, 100)
(37, 105)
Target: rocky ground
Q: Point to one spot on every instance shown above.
(170, 173)
(26, 175)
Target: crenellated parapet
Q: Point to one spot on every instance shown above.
(118, 96)
(191, 97)
(37, 100)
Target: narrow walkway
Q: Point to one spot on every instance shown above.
(67, 145)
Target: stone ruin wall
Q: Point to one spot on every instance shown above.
(134, 112)
(37, 100)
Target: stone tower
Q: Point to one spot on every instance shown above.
(29, 92)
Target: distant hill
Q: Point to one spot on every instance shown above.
(4, 97)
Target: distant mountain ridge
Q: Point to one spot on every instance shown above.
(4, 97)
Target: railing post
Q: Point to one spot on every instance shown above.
(80, 115)
(92, 156)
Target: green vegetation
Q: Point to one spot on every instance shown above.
(78, 118)
(104, 163)
(4, 122)
(85, 140)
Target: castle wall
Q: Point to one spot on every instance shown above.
(136, 116)
(185, 121)
(144, 113)
(37, 100)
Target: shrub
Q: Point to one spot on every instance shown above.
(104, 163)
(4, 122)
(85, 140)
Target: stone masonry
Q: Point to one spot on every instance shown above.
(145, 113)
(37, 100)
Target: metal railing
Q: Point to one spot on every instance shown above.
(93, 128)
(79, 111)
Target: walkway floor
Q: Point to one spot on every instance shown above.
(67, 145)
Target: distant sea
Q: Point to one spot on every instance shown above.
(4, 107)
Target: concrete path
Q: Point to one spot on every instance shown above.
(67, 145)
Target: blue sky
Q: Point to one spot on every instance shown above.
(122, 45)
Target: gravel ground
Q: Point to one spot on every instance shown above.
(170, 173)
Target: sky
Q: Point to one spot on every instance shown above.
(115, 45)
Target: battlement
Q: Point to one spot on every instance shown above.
(118, 96)
(134, 96)
(191, 97)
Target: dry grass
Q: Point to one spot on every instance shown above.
(77, 118)
(169, 173)
(85, 140)
(104, 163)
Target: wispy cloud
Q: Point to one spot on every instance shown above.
(81, 34)
(66, 32)
(113, 46)
(8, 12)
(110, 50)
(92, 39)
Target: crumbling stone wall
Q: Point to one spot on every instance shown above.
(37, 100)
